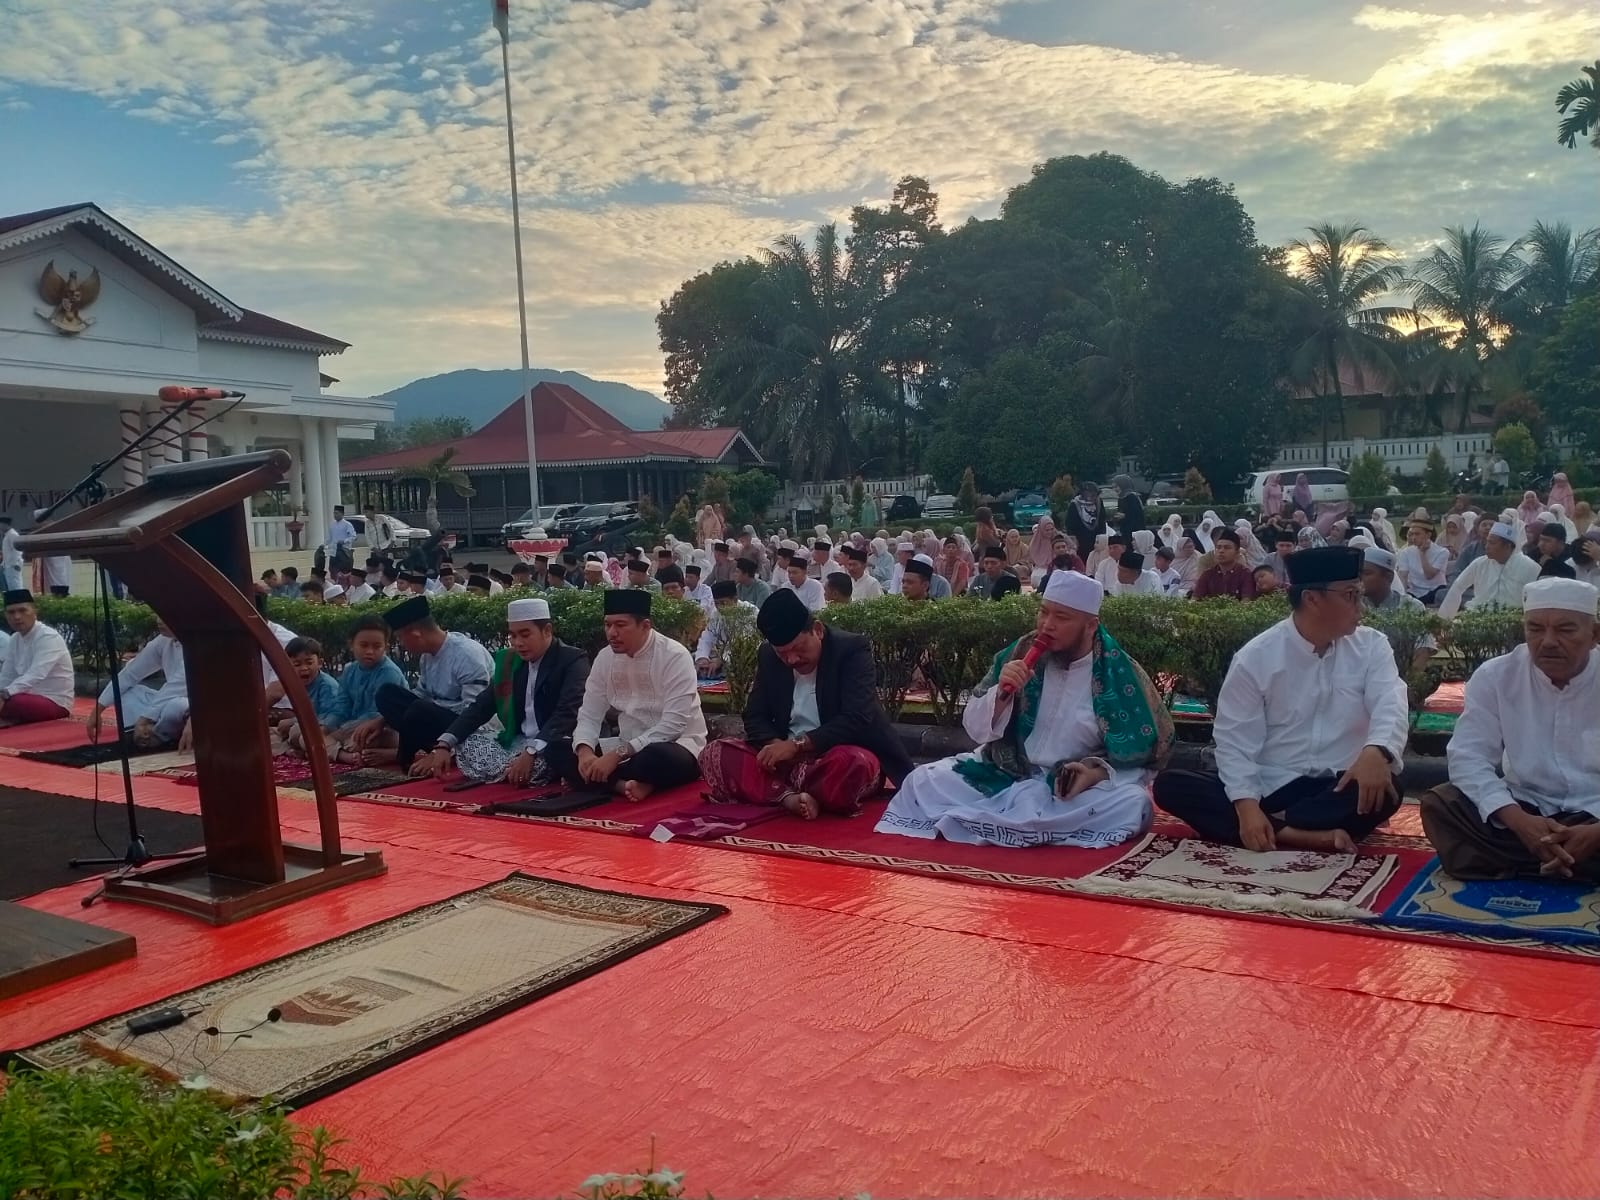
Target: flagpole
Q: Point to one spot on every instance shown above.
(502, 22)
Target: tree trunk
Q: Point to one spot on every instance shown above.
(900, 417)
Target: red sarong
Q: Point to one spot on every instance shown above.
(839, 779)
(27, 710)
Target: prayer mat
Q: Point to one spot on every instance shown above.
(1189, 871)
(41, 736)
(158, 762)
(1561, 913)
(556, 802)
(44, 831)
(324, 1017)
(89, 754)
(710, 820)
(292, 771)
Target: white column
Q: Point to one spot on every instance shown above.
(194, 434)
(297, 482)
(132, 422)
(317, 514)
(169, 442)
(331, 479)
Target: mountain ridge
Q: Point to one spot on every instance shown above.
(479, 395)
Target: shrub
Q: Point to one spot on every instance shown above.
(1436, 474)
(1369, 475)
(967, 493)
(123, 1133)
(1061, 492)
(737, 646)
(1516, 445)
(858, 501)
(680, 522)
(1195, 488)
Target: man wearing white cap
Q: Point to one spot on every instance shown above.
(535, 691)
(1378, 594)
(1068, 728)
(1524, 791)
(1496, 579)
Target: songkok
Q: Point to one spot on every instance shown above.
(332, 592)
(720, 547)
(1323, 565)
(904, 546)
(638, 564)
(1377, 556)
(1504, 532)
(1131, 559)
(783, 617)
(478, 568)
(1554, 529)
(18, 596)
(1075, 591)
(995, 552)
(408, 612)
(921, 565)
(1565, 595)
(527, 610)
(724, 589)
(446, 569)
(856, 553)
(627, 602)
(822, 544)
(478, 581)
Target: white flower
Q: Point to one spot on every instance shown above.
(195, 1083)
(248, 1135)
(596, 1183)
(665, 1178)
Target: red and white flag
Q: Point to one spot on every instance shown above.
(502, 16)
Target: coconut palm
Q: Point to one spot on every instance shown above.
(1559, 266)
(437, 470)
(1582, 97)
(1342, 274)
(1463, 287)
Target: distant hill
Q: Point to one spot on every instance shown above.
(480, 395)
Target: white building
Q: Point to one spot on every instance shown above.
(94, 320)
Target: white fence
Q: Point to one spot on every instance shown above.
(806, 495)
(270, 533)
(1406, 455)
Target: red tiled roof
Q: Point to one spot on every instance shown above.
(569, 428)
(1353, 381)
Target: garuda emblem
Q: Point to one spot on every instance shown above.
(68, 298)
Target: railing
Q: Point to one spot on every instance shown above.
(920, 486)
(1406, 455)
(269, 533)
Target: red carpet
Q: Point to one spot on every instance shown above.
(864, 1031)
(43, 735)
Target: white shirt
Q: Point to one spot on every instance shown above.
(360, 594)
(1106, 573)
(1284, 713)
(804, 715)
(701, 595)
(380, 534)
(655, 694)
(1493, 584)
(10, 556)
(38, 663)
(810, 592)
(1148, 584)
(1422, 568)
(1540, 738)
(865, 588)
(341, 535)
(1170, 581)
(454, 676)
(895, 576)
(161, 653)
(714, 637)
(268, 675)
(57, 571)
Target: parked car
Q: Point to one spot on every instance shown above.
(942, 506)
(593, 521)
(903, 508)
(405, 536)
(1165, 492)
(1027, 507)
(547, 516)
(1328, 485)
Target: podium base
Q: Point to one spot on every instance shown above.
(190, 887)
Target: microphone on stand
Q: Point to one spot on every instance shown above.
(1029, 660)
(173, 394)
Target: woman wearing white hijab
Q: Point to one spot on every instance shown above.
(1186, 562)
(880, 563)
(1097, 555)
(1250, 547)
(1144, 542)
(1559, 512)
(1209, 524)
(1172, 532)
(1382, 526)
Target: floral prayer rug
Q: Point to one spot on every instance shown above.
(315, 1021)
(1559, 912)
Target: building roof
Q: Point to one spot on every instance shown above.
(569, 430)
(218, 317)
(1355, 380)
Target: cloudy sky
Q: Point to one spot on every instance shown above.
(343, 165)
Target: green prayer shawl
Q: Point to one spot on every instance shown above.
(504, 682)
(1135, 727)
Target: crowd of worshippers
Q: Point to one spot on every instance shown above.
(1072, 738)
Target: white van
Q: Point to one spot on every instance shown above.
(1328, 485)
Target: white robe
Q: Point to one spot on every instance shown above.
(934, 799)
(38, 663)
(167, 705)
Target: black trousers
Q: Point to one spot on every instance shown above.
(661, 764)
(419, 722)
(1198, 799)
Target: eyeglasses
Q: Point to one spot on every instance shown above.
(1349, 594)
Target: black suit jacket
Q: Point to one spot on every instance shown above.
(563, 671)
(847, 702)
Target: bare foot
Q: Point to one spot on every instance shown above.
(636, 790)
(1327, 841)
(803, 805)
(380, 757)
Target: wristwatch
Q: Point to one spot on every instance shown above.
(802, 743)
(1387, 755)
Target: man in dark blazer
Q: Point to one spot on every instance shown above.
(816, 738)
(533, 746)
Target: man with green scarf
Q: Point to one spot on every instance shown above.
(1068, 727)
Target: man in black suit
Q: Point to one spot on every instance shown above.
(816, 738)
(536, 689)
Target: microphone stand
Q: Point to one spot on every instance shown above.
(91, 490)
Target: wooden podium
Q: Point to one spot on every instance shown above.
(179, 542)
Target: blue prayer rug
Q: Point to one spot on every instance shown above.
(1565, 913)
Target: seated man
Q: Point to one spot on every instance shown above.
(1311, 723)
(1063, 749)
(1378, 594)
(537, 687)
(36, 679)
(916, 579)
(995, 580)
(809, 590)
(724, 619)
(836, 589)
(1422, 564)
(1132, 578)
(454, 670)
(1524, 791)
(862, 585)
(155, 715)
(1227, 576)
(816, 739)
(1495, 579)
(649, 681)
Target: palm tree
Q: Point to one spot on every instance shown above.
(1559, 266)
(1582, 96)
(1463, 286)
(1106, 359)
(435, 471)
(803, 374)
(1342, 272)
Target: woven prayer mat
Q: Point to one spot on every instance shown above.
(291, 771)
(353, 1006)
(1560, 913)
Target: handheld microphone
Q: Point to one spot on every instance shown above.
(173, 394)
(1034, 654)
